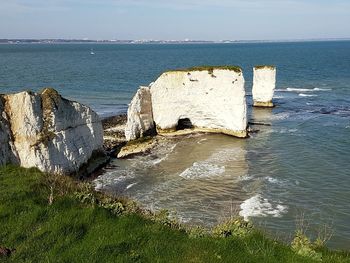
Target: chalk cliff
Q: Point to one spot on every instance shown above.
(140, 118)
(264, 83)
(48, 132)
(8, 153)
(200, 99)
(210, 99)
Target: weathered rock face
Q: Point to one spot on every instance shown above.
(8, 153)
(208, 99)
(264, 85)
(50, 132)
(140, 118)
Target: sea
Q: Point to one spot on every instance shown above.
(293, 172)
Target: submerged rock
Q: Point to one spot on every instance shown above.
(48, 132)
(114, 133)
(264, 83)
(201, 99)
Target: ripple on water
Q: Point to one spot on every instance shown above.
(202, 170)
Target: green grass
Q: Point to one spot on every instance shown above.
(70, 230)
(210, 69)
(265, 66)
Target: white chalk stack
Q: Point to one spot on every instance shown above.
(264, 83)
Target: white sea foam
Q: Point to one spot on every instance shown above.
(280, 90)
(202, 140)
(276, 181)
(280, 116)
(320, 89)
(246, 177)
(272, 180)
(130, 185)
(202, 170)
(284, 130)
(168, 149)
(214, 165)
(299, 89)
(257, 206)
(111, 178)
(305, 90)
(307, 95)
(159, 154)
(159, 160)
(98, 186)
(226, 155)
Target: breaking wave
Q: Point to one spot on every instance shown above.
(299, 89)
(305, 90)
(319, 89)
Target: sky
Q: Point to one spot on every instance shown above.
(175, 19)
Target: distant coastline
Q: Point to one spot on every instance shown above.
(88, 41)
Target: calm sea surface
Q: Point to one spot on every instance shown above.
(297, 167)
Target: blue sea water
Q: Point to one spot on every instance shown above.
(297, 167)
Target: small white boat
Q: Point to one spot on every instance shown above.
(92, 52)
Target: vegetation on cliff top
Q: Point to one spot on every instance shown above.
(264, 66)
(210, 69)
(46, 218)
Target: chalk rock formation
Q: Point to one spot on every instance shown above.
(140, 118)
(8, 153)
(264, 83)
(48, 132)
(210, 99)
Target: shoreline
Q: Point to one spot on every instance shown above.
(85, 215)
(29, 41)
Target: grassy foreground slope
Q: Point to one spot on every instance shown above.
(68, 230)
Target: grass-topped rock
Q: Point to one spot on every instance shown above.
(208, 68)
(187, 96)
(272, 67)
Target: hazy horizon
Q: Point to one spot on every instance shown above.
(194, 19)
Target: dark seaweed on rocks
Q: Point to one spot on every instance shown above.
(113, 121)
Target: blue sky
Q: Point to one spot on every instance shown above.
(175, 19)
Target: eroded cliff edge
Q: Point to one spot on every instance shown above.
(49, 132)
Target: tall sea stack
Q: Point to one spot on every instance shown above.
(264, 83)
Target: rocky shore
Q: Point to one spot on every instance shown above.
(114, 133)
